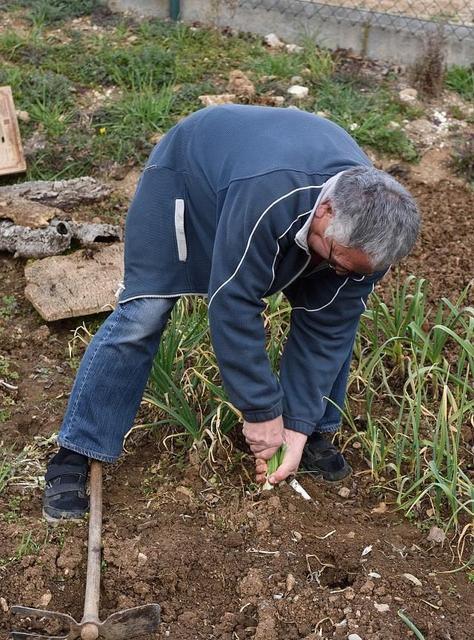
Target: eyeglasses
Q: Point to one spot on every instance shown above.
(332, 265)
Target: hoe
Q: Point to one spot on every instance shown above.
(122, 625)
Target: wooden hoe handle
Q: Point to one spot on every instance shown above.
(90, 630)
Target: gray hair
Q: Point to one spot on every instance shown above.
(374, 213)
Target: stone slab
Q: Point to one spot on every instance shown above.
(79, 284)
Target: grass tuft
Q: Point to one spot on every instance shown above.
(461, 79)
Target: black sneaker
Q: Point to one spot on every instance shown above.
(65, 495)
(321, 458)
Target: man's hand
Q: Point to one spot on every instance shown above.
(264, 438)
(294, 443)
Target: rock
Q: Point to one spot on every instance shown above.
(367, 587)
(344, 492)
(382, 608)
(4, 605)
(299, 92)
(273, 41)
(353, 636)
(380, 591)
(293, 48)
(26, 213)
(82, 284)
(142, 559)
(380, 508)
(223, 98)
(24, 116)
(240, 84)
(422, 133)
(413, 579)
(296, 80)
(436, 535)
(41, 334)
(349, 593)
(45, 600)
(290, 582)
(408, 96)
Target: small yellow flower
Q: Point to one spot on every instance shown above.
(102, 131)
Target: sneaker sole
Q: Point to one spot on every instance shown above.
(331, 477)
(60, 517)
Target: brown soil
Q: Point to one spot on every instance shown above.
(225, 563)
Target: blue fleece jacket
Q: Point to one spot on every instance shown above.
(216, 213)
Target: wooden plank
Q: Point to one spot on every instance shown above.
(12, 159)
(78, 284)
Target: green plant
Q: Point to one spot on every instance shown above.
(5, 414)
(280, 64)
(428, 71)
(44, 12)
(366, 115)
(461, 79)
(5, 369)
(318, 61)
(124, 127)
(420, 369)
(272, 465)
(8, 306)
(184, 383)
(462, 158)
(410, 625)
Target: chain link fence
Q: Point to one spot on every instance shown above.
(454, 16)
(392, 30)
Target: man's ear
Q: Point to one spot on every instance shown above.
(324, 210)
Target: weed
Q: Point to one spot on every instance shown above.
(462, 158)
(5, 472)
(282, 65)
(367, 115)
(5, 415)
(148, 65)
(428, 72)
(461, 79)
(124, 127)
(319, 62)
(12, 512)
(8, 306)
(44, 12)
(5, 369)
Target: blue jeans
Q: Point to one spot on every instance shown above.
(112, 377)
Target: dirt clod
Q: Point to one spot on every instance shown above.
(252, 584)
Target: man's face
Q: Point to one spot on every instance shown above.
(343, 260)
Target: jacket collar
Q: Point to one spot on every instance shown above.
(327, 190)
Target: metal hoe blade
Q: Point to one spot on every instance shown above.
(121, 625)
(66, 620)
